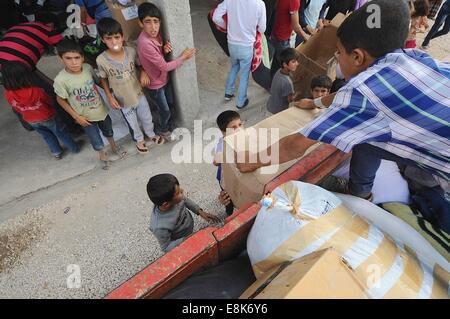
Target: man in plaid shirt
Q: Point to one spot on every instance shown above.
(395, 106)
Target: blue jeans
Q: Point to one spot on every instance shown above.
(241, 60)
(51, 131)
(279, 46)
(92, 131)
(365, 161)
(164, 98)
(443, 17)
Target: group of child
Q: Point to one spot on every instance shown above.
(282, 92)
(123, 73)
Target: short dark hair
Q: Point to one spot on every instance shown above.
(421, 8)
(288, 55)
(322, 81)
(337, 84)
(148, 9)
(68, 45)
(16, 75)
(355, 32)
(225, 118)
(46, 17)
(108, 26)
(161, 188)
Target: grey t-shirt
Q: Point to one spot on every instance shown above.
(281, 88)
(173, 226)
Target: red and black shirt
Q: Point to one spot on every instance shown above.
(26, 43)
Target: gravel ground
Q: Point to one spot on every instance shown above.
(105, 232)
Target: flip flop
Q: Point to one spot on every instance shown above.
(105, 164)
(159, 140)
(120, 152)
(142, 150)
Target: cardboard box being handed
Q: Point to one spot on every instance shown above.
(249, 187)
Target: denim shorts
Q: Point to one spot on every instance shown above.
(93, 132)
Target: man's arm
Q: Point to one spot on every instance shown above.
(218, 14)
(262, 20)
(289, 148)
(297, 27)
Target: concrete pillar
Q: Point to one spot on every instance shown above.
(178, 28)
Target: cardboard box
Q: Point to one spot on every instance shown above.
(127, 17)
(317, 57)
(249, 187)
(322, 274)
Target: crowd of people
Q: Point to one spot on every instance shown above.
(389, 100)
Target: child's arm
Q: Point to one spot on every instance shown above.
(77, 117)
(111, 99)
(192, 206)
(224, 198)
(144, 79)
(158, 60)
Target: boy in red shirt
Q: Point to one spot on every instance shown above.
(35, 107)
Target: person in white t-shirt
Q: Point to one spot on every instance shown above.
(244, 19)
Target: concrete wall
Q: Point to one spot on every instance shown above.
(178, 28)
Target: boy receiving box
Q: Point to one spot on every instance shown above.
(171, 221)
(228, 122)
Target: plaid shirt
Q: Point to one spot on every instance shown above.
(400, 104)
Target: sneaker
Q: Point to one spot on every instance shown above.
(424, 47)
(334, 184)
(245, 104)
(339, 185)
(228, 97)
(58, 156)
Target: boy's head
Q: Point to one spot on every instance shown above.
(71, 55)
(230, 120)
(320, 86)
(150, 19)
(289, 59)
(16, 75)
(47, 18)
(110, 31)
(420, 8)
(164, 191)
(376, 29)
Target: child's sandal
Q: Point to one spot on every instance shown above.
(105, 164)
(159, 140)
(119, 151)
(142, 150)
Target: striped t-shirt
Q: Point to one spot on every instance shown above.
(400, 104)
(26, 43)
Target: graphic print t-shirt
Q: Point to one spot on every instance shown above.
(81, 93)
(122, 77)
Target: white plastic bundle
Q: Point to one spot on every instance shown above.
(388, 257)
